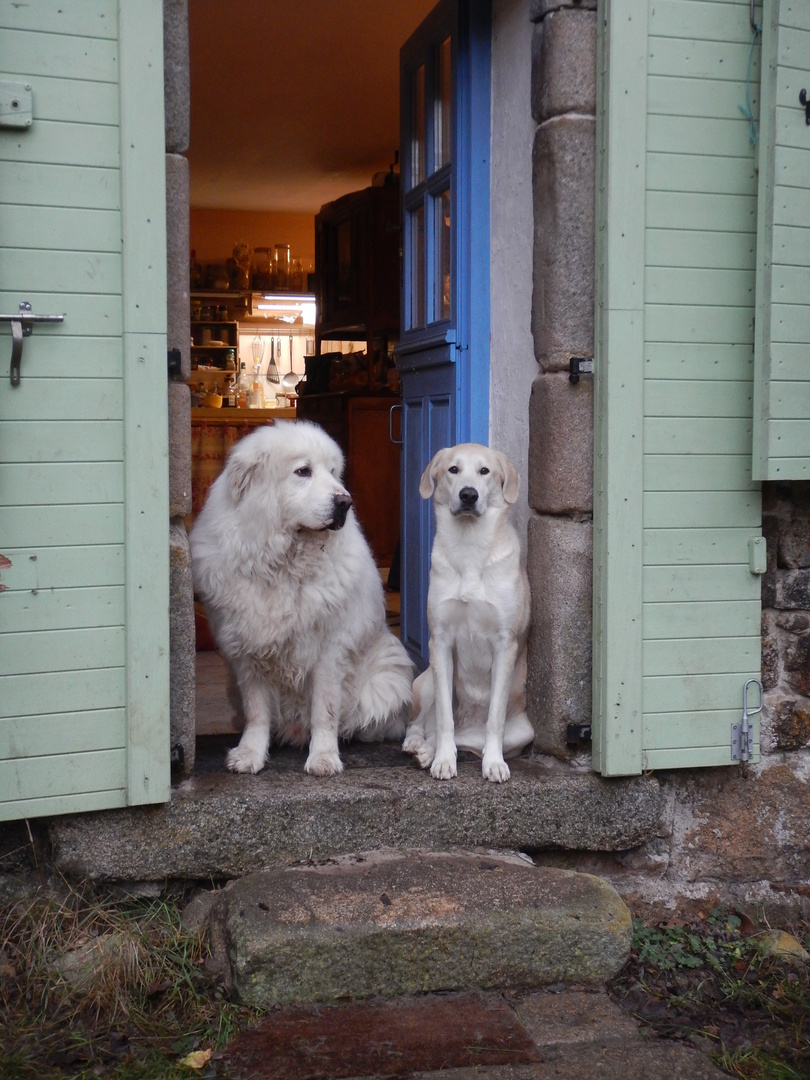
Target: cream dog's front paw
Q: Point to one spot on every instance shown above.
(444, 767)
(495, 769)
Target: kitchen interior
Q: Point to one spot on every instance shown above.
(295, 251)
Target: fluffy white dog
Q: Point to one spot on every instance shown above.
(478, 614)
(295, 601)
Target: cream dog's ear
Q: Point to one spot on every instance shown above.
(510, 478)
(427, 484)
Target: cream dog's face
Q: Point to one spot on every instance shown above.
(469, 478)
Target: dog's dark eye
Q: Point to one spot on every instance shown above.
(304, 471)
(453, 469)
(484, 471)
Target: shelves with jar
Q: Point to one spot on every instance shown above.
(216, 306)
(212, 337)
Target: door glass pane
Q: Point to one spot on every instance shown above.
(418, 126)
(417, 282)
(441, 107)
(442, 299)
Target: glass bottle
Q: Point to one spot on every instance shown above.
(242, 387)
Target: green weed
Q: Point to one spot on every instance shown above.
(713, 981)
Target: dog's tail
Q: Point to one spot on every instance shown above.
(378, 692)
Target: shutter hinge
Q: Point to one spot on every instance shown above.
(577, 733)
(177, 758)
(742, 734)
(579, 365)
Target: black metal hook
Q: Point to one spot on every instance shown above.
(804, 101)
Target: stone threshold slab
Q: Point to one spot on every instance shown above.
(220, 826)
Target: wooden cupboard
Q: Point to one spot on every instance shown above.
(361, 426)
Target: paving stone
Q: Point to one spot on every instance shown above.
(393, 1038)
(652, 1061)
(400, 922)
(573, 1017)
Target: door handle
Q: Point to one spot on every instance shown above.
(396, 442)
(22, 326)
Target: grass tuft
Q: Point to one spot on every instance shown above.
(97, 986)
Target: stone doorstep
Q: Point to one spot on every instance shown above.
(219, 826)
(470, 1036)
(389, 923)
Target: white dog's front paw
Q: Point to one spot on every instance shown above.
(495, 769)
(244, 759)
(324, 763)
(443, 768)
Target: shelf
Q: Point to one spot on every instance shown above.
(240, 417)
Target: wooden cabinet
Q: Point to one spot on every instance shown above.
(360, 426)
(357, 255)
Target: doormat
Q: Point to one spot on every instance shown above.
(390, 1038)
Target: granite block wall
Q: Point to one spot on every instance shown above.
(177, 103)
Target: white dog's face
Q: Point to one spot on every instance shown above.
(469, 478)
(290, 476)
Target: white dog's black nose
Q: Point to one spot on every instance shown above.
(468, 497)
(341, 505)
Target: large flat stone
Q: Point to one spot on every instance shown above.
(219, 825)
(401, 922)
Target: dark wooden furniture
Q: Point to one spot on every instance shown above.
(357, 253)
(359, 424)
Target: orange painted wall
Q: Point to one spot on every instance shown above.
(214, 232)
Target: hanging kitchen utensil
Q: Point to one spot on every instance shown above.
(272, 374)
(257, 349)
(290, 380)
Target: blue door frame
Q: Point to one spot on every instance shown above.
(443, 352)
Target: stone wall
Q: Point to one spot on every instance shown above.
(560, 540)
(786, 617)
(177, 102)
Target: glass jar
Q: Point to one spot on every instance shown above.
(281, 266)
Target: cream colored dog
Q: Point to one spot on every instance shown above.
(478, 614)
(295, 601)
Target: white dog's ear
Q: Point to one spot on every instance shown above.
(510, 479)
(240, 474)
(427, 484)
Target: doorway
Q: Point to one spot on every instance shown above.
(235, 42)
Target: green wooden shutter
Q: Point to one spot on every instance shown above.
(782, 340)
(677, 606)
(83, 471)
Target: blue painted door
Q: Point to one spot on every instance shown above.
(443, 353)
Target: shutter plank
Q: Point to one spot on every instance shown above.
(781, 438)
